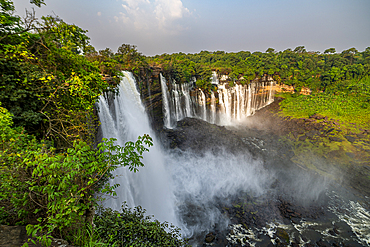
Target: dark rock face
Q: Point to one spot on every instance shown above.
(262, 137)
(273, 139)
(16, 236)
(199, 136)
(12, 236)
(149, 85)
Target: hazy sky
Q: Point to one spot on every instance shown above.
(190, 26)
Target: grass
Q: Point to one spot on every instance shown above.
(349, 109)
(351, 105)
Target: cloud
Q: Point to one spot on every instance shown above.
(153, 14)
(99, 13)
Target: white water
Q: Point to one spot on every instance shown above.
(165, 104)
(214, 78)
(181, 187)
(173, 182)
(234, 103)
(213, 109)
(125, 119)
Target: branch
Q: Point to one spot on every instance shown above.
(28, 21)
(35, 201)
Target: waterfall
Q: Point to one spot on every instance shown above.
(125, 119)
(249, 100)
(165, 103)
(172, 182)
(188, 189)
(202, 103)
(213, 109)
(271, 92)
(226, 104)
(176, 95)
(234, 103)
(185, 91)
(214, 78)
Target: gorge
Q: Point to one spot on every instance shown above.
(228, 186)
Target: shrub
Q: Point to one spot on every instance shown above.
(55, 191)
(132, 228)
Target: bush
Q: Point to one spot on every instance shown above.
(132, 228)
(55, 191)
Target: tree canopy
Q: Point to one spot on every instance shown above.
(51, 167)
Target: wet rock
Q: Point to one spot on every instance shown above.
(351, 155)
(361, 136)
(321, 243)
(317, 116)
(350, 138)
(282, 234)
(295, 220)
(210, 237)
(16, 236)
(330, 130)
(302, 138)
(200, 136)
(334, 139)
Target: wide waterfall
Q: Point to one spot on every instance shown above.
(217, 181)
(172, 183)
(227, 106)
(125, 119)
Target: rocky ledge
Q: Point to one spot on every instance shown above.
(199, 136)
(16, 236)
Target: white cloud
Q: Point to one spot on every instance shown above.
(152, 14)
(99, 13)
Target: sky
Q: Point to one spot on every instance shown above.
(190, 26)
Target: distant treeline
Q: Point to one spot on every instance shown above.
(298, 67)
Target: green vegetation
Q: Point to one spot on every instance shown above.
(349, 104)
(298, 67)
(341, 141)
(56, 190)
(132, 228)
(51, 170)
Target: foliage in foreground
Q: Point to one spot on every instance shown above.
(132, 228)
(55, 191)
(50, 171)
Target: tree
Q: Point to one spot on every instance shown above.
(270, 50)
(131, 227)
(57, 190)
(329, 51)
(50, 169)
(350, 53)
(128, 55)
(300, 49)
(47, 85)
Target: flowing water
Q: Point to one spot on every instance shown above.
(125, 119)
(205, 192)
(234, 103)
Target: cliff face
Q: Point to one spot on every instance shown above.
(151, 94)
(149, 84)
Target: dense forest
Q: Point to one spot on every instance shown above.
(51, 76)
(298, 67)
(51, 170)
